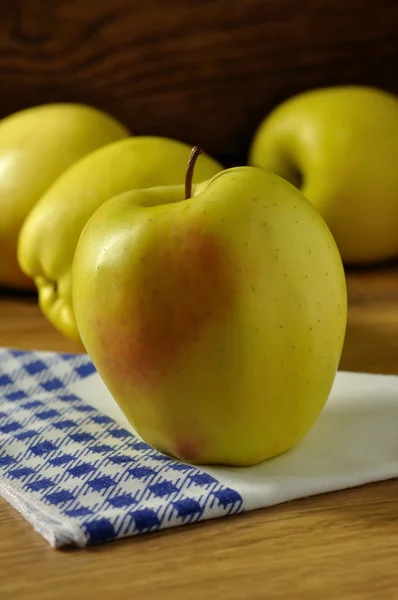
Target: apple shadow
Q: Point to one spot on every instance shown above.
(372, 267)
(18, 295)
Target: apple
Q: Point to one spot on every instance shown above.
(49, 235)
(36, 146)
(339, 146)
(215, 320)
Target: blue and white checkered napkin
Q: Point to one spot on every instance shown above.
(71, 464)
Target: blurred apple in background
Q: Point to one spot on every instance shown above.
(217, 321)
(36, 146)
(49, 236)
(339, 145)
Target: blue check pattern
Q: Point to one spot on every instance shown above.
(77, 475)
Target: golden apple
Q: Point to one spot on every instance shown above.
(216, 321)
(36, 146)
(339, 145)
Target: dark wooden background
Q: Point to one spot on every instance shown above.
(204, 71)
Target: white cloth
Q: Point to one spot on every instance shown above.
(71, 464)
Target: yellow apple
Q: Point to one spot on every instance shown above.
(49, 236)
(36, 146)
(339, 145)
(216, 321)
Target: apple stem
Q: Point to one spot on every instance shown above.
(193, 157)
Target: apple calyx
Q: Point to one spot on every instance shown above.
(195, 152)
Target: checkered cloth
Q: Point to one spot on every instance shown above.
(72, 465)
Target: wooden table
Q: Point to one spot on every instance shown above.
(336, 545)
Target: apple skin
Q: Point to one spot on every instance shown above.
(36, 146)
(50, 233)
(339, 145)
(217, 322)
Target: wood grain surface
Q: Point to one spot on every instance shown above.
(203, 71)
(337, 545)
